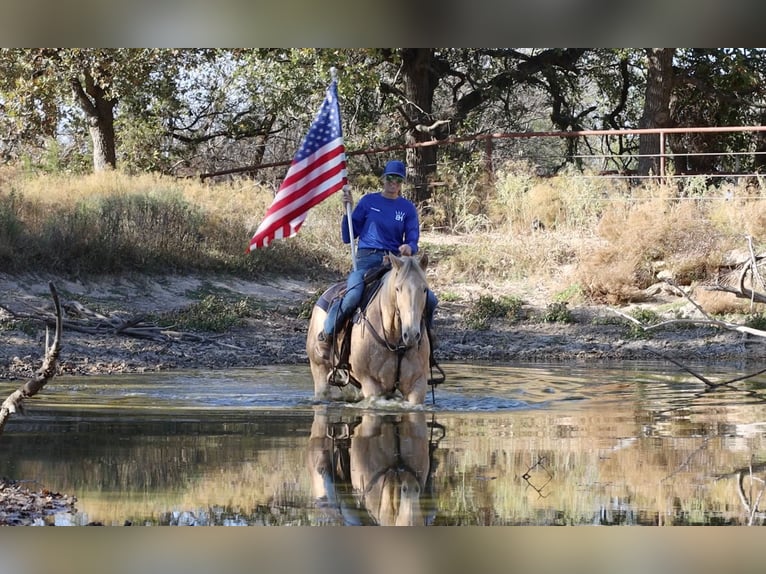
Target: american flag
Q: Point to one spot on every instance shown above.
(317, 171)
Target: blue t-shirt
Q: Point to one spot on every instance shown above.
(382, 223)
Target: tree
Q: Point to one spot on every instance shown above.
(442, 89)
(716, 87)
(40, 87)
(659, 87)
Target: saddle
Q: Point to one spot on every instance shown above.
(372, 281)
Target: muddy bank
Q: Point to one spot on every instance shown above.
(278, 334)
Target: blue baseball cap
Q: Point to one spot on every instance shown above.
(395, 167)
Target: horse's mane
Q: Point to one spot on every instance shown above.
(409, 263)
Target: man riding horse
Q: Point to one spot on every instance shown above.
(385, 222)
(390, 349)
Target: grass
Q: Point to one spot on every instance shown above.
(487, 307)
(602, 242)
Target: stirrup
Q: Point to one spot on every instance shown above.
(338, 377)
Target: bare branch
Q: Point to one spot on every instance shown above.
(707, 321)
(46, 372)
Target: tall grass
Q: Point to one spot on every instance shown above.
(112, 222)
(597, 238)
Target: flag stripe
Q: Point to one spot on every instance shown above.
(288, 208)
(317, 171)
(326, 154)
(294, 189)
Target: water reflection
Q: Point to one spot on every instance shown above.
(374, 469)
(514, 445)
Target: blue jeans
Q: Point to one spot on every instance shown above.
(342, 309)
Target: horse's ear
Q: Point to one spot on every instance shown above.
(395, 261)
(423, 260)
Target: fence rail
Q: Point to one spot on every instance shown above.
(663, 156)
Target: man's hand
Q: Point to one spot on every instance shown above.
(347, 199)
(405, 249)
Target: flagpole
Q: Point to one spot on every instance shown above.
(350, 232)
(334, 76)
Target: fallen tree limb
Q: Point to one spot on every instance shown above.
(709, 321)
(14, 402)
(94, 323)
(751, 267)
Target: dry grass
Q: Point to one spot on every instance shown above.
(601, 240)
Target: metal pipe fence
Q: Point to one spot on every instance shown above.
(668, 162)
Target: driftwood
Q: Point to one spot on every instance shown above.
(749, 267)
(708, 320)
(13, 403)
(84, 320)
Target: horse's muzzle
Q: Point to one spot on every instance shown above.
(411, 338)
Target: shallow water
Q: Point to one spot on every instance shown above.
(634, 443)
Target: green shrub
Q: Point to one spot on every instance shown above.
(756, 321)
(212, 313)
(557, 313)
(646, 317)
(487, 307)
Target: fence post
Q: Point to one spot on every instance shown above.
(488, 158)
(662, 157)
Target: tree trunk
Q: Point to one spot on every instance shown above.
(419, 85)
(102, 135)
(100, 113)
(659, 85)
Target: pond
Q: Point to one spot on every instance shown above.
(623, 444)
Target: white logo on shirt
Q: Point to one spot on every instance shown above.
(400, 216)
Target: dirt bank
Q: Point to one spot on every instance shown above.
(277, 335)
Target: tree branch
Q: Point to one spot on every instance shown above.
(13, 403)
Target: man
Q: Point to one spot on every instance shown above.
(385, 222)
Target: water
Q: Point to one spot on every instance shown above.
(635, 443)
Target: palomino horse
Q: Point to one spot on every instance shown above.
(373, 471)
(389, 345)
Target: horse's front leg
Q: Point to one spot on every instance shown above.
(416, 395)
(371, 388)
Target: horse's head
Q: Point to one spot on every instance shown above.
(390, 464)
(408, 289)
(396, 500)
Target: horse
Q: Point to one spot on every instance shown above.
(389, 345)
(372, 471)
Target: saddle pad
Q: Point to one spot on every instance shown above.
(371, 283)
(327, 297)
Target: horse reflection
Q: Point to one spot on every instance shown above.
(373, 470)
